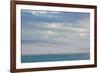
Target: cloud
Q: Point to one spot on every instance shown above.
(66, 36)
(52, 16)
(42, 12)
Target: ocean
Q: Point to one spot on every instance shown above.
(54, 57)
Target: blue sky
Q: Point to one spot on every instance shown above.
(55, 31)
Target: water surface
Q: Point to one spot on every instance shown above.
(54, 57)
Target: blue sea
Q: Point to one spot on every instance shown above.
(54, 57)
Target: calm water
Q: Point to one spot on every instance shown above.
(57, 57)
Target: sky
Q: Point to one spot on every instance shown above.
(54, 32)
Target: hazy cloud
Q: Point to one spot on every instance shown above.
(60, 32)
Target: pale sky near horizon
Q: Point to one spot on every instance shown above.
(54, 32)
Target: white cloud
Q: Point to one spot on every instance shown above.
(37, 12)
(84, 34)
(49, 32)
(73, 37)
(61, 26)
(75, 29)
(55, 25)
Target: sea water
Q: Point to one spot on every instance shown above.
(54, 57)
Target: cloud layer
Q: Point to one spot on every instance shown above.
(56, 32)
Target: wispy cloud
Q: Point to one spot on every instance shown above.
(39, 12)
(64, 32)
